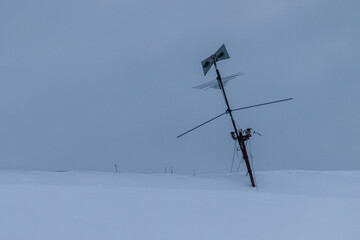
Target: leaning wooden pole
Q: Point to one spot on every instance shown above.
(238, 137)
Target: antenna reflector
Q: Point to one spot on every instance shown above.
(206, 65)
(220, 54)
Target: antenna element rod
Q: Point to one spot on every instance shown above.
(201, 124)
(257, 105)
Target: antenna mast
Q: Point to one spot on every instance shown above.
(222, 54)
(238, 134)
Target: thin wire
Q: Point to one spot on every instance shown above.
(237, 125)
(250, 149)
(241, 160)
(232, 164)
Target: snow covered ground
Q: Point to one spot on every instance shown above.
(94, 205)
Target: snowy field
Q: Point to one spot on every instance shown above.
(94, 205)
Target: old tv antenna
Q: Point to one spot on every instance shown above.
(219, 83)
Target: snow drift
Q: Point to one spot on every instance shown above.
(93, 205)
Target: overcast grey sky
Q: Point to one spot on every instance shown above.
(87, 84)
